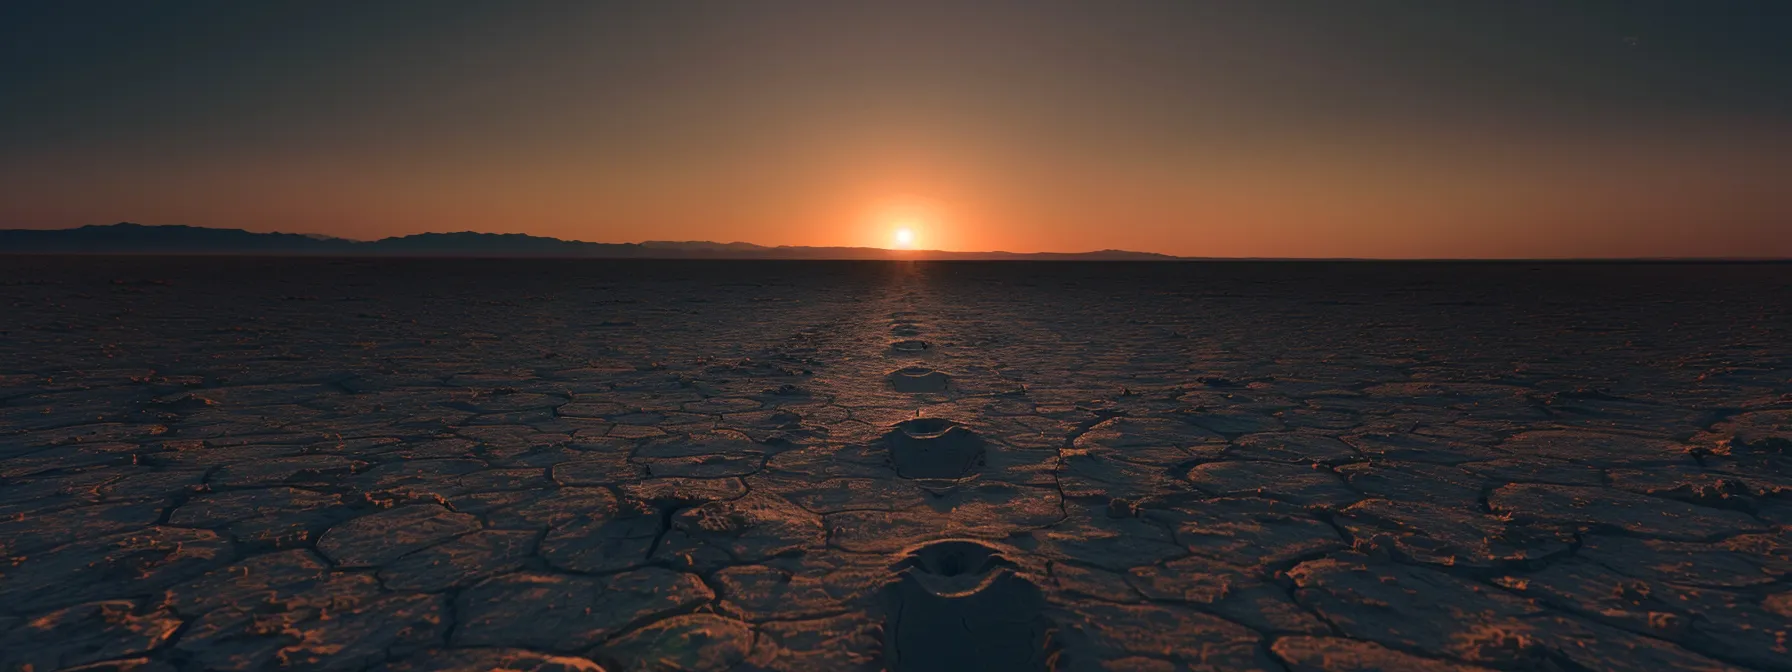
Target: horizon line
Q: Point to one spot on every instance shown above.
(1166, 259)
(1163, 257)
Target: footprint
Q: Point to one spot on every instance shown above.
(911, 346)
(960, 605)
(918, 379)
(934, 448)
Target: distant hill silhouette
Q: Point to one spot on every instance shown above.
(128, 238)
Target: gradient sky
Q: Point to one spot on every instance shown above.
(1363, 128)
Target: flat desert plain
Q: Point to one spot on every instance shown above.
(245, 464)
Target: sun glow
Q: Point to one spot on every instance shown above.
(905, 223)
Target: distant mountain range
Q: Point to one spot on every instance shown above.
(128, 238)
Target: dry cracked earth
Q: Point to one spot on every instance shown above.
(241, 464)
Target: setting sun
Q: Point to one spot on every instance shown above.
(907, 223)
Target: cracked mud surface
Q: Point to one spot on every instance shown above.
(235, 464)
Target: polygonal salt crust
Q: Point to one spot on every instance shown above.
(959, 605)
(86, 633)
(480, 660)
(934, 448)
(915, 379)
(753, 528)
(687, 642)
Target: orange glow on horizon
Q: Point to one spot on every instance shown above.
(1340, 200)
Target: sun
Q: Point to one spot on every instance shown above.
(904, 224)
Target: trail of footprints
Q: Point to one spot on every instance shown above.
(955, 604)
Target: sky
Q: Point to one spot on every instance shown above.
(1271, 128)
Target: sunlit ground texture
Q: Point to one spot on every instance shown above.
(235, 464)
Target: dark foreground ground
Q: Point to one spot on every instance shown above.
(239, 464)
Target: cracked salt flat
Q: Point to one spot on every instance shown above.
(420, 465)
